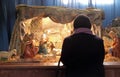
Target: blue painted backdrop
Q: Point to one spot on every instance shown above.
(8, 14)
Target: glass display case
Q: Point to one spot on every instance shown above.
(37, 38)
(40, 30)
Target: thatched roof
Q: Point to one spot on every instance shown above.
(59, 14)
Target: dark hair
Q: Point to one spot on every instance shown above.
(82, 21)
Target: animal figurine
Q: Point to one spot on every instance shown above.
(7, 54)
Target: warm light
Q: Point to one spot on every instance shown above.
(48, 31)
(44, 36)
(102, 1)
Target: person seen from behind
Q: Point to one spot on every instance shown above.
(82, 52)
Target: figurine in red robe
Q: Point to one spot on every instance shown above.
(30, 50)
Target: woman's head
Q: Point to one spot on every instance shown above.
(82, 21)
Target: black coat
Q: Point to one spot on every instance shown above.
(83, 55)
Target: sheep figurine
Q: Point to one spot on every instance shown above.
(7, 54)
